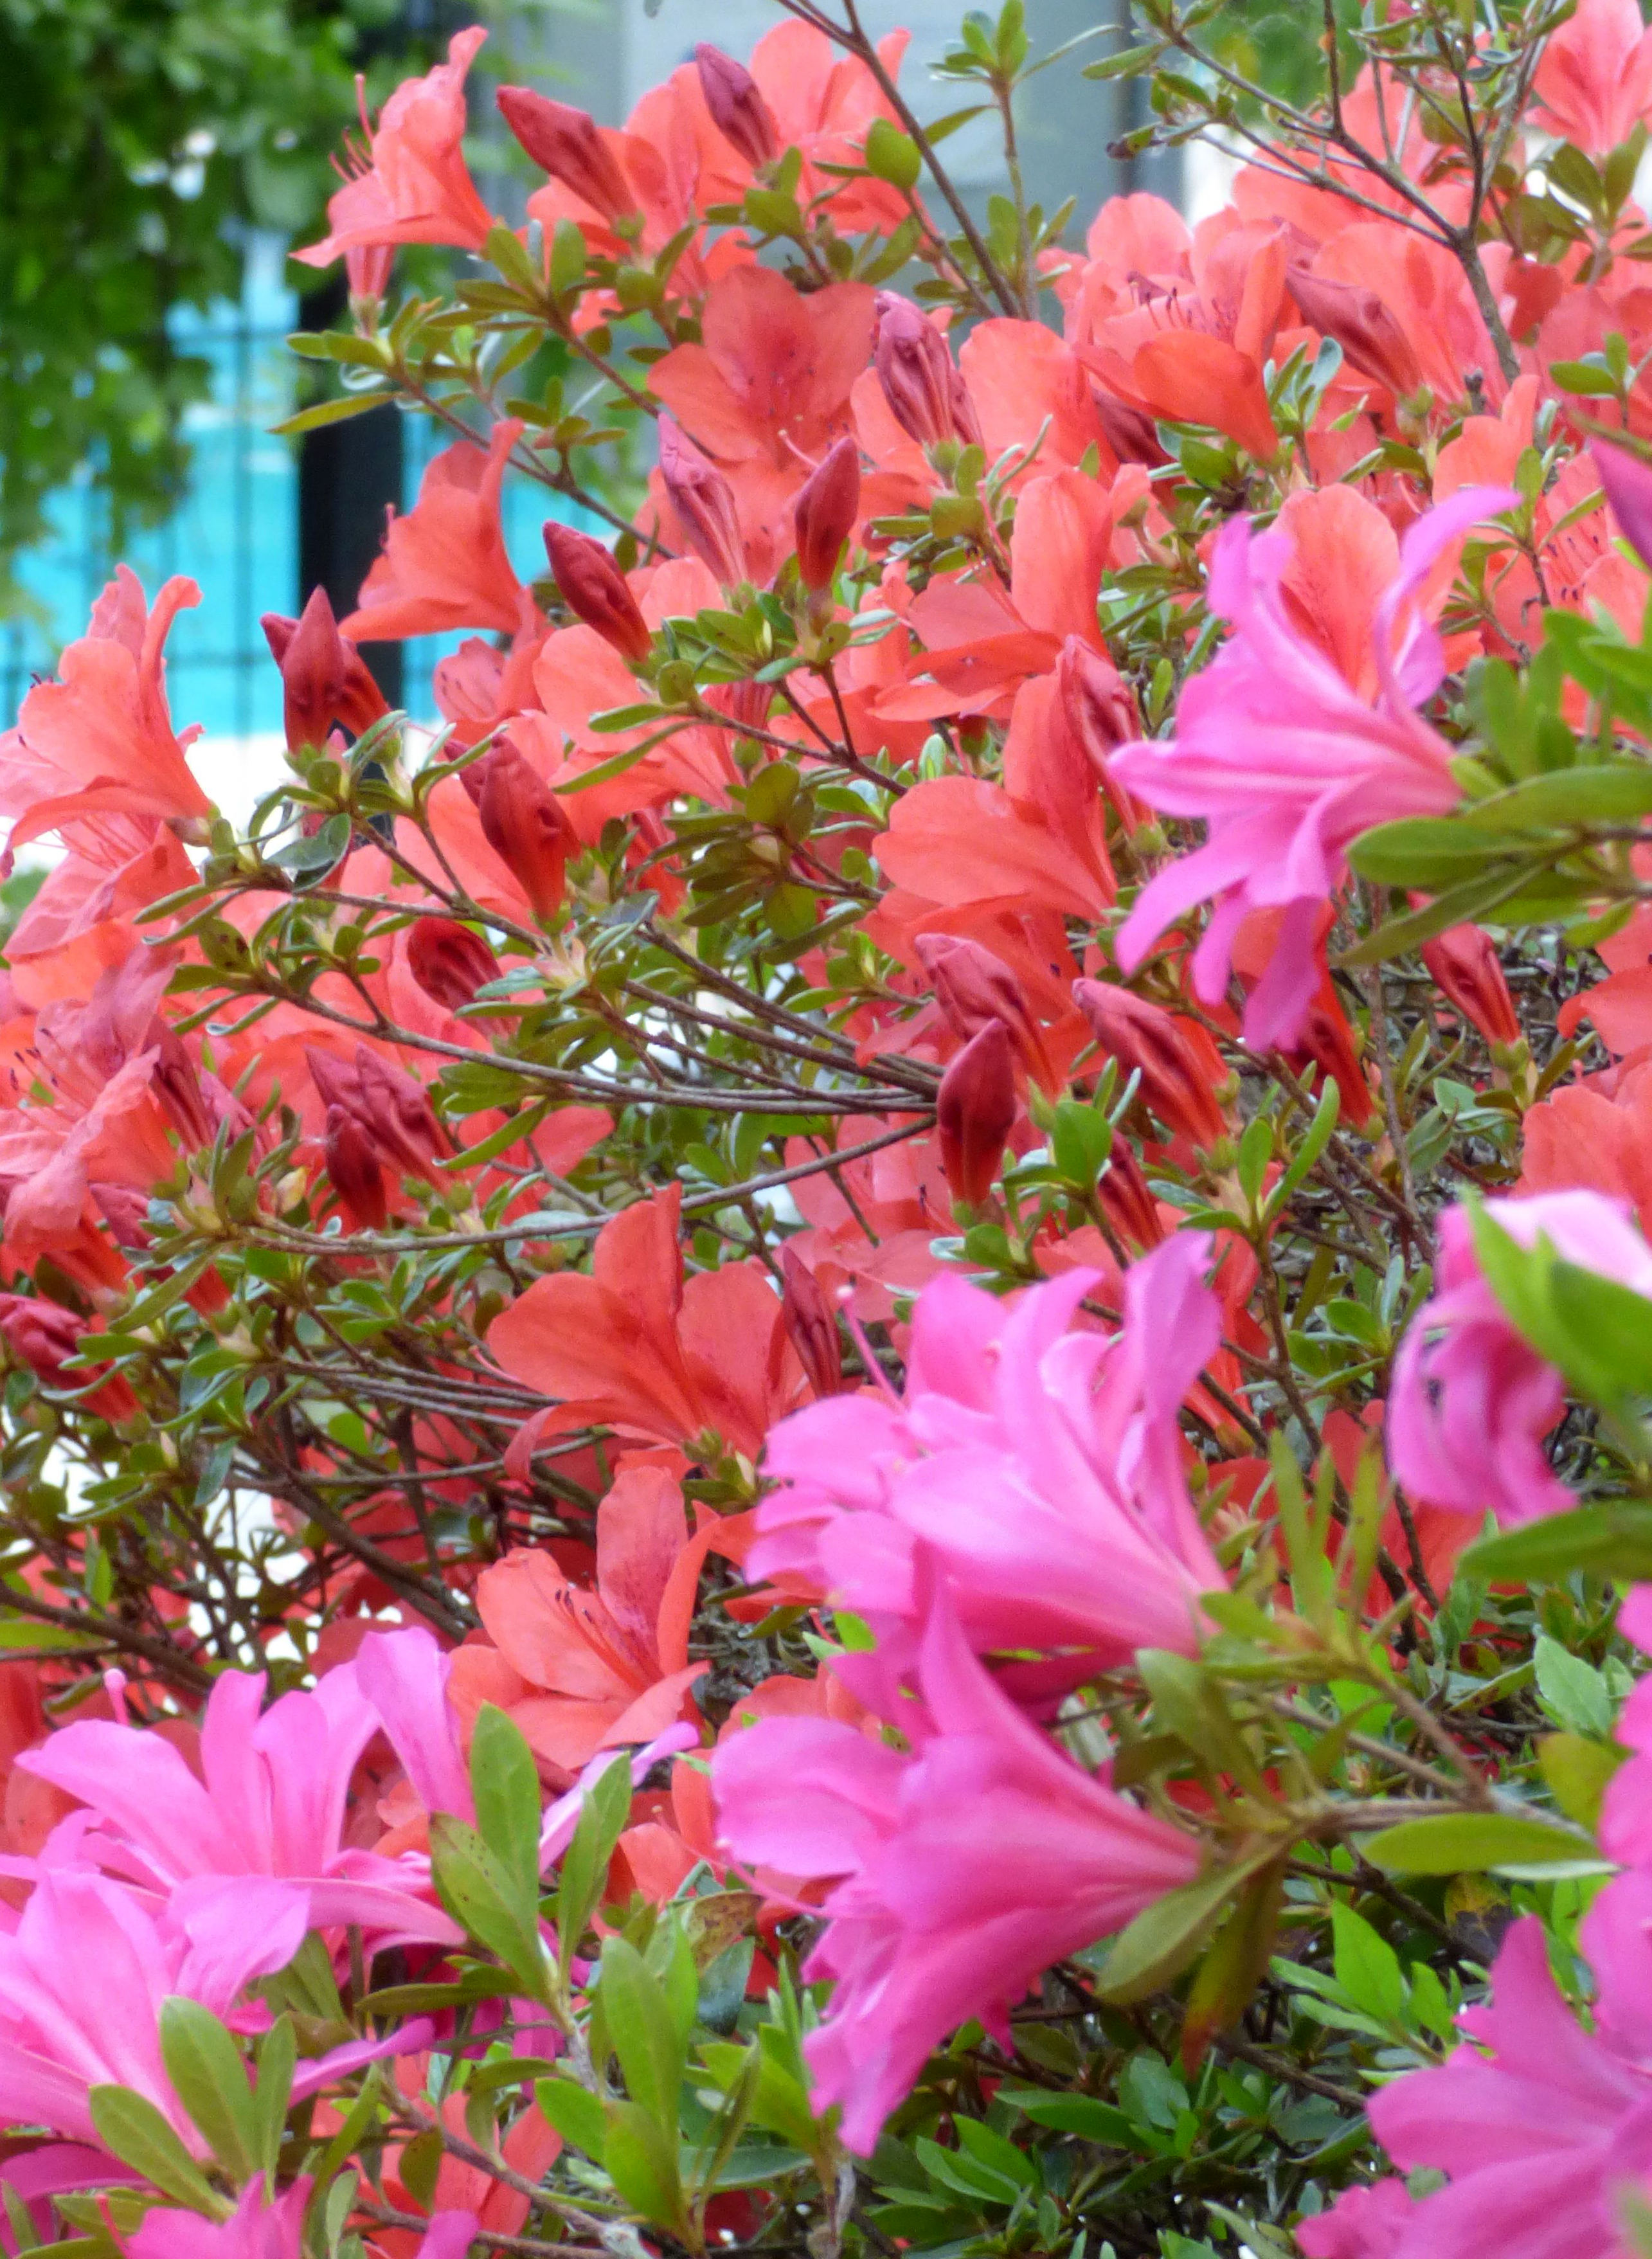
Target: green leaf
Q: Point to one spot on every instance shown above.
(641, 2164)
(891, 155)
(1458, 905)
(210, 2078)
(575, 2112)
(1473, 1843)
(1367, 1966)
(642, 2030)
(1083, 2114)
(482, 1895)
(1571, 1689)
(1613, 792)
(130, 2128)
(1161, 1942)
(330, 411)
(277, 2060)
(1575, 1771)
(607, 1807)
(505, 1783)
(1615, 1541)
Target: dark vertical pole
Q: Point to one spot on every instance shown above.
(348, 475)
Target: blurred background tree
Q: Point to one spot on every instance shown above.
(141, 142)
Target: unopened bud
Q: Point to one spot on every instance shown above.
(975, 1112)
(973, 989)
(737, 109)
(44, 1337)
(927, 397)
(824, 513)
(568, 144)
(522, 822)
(1099, 710)
(1130, 430)
(813, 1327)
(355, 1176)
(398, 1115)
(1127, 1199)
(449, 961)
(1464, 967)
(1179, 1064)
(324, 679)
(705, 505)
(594, 589)
(1359, 320)
(367, 268)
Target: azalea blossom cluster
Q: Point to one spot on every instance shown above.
(834, 1435)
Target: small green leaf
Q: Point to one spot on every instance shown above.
(1615, 1541)
(575, 2112)
(130, 2128)
(210, 2078)
(1573, 1690)
(1161, 1942)
(482, 1895)
(642, 2030)
(1473, 1843)
(641, 2161)
(891, 155)
(606, 1806)
(505, 1783)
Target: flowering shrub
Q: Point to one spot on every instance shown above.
(837, 1440)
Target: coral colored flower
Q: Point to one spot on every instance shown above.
(594, 1669)
(1471, 1400)
(1594, 76)
(633, 1347)
(1288, 766)
(99, 742)
(272, 1798)
(1538, 2124)
(444, 565)
(410, 184)
(961, 1871)
(1041, 1467)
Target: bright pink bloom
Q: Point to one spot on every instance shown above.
(1363, 2223)
(1288, 765)
(1471, 1400)
(962, 1870)
(1539, 2124)
(83, 1976)
(1041, 1468)
(411, 184)
(272, 2231)
(273, 1799)
(1628, 481)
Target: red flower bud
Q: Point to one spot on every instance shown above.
(44, 1336)
(1126, 1198)
(1328, 1039)
(388, 1106)
(325, 678)
(449, 961)
(824, 513)
(593, 589)
(975, 1112)
(1464, 967)
(1099, 710)
(927, 397)
(522, 822)
(1179, 1064)
(194, 1102)
(569, 145)
(973, 989)
(355, 1176)
(1365, 328)
(1130, 430)
(809, 1321)
(737, 109)
(705, 505)
(1628, 480)
(367, 268)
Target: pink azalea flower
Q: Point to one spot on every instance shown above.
(274, 1795)
(273, 2231)
(1042, 1467)
(1538, 2124)
(84, 1974)
(960, 1869)
(1471, 1400)
(1363, 2223)
(1287, 764)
